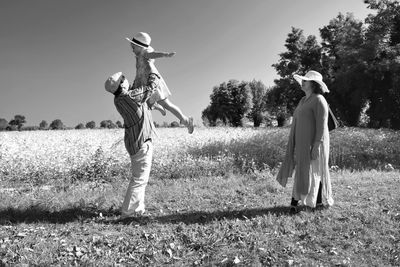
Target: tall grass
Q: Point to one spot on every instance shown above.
(66, 156)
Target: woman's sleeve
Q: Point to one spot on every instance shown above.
(288, 164)
(321, 118)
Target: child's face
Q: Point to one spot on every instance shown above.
(136, 49)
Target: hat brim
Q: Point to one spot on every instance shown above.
(299, 79)
(147, 47)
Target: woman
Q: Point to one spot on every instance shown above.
(308, 146)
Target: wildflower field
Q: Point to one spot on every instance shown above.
(212, 198)
(42, 157)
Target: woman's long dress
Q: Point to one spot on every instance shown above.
(310, 125)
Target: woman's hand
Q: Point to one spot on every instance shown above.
(315, 150)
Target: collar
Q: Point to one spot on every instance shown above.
(119, 91)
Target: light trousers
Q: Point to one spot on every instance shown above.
(140, 167)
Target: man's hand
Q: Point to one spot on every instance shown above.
(315, 150)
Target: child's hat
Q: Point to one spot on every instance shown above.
(113, 82)
(141, 39)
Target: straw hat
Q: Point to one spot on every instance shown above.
(312, 75)
(113, 82)
(141, 39)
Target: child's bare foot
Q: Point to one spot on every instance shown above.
(188, 122)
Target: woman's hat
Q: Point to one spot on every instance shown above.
(141, 39)
(113, 82)
(312, 75)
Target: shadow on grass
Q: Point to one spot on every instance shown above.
(35, 215)
(204, 217)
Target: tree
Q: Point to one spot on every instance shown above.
(107, 124)
(303, 54)
(257, 113)
(80, 126)
(174, 124)
(18, 121)
(119, 124)
(230, 102)
(91, 125)
(3, 124)
(43, 125)
(56, 125)
(345, 69)
(383, 46)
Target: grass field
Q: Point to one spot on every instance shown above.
(212, 197)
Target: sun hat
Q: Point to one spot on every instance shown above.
(312, 75)
(141, 39)
(113, 82)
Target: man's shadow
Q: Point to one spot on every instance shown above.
(35, 214)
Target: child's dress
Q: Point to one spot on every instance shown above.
(145, 66)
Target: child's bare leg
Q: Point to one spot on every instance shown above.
(185, 120)
(159, 108)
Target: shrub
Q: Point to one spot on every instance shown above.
(80, 126)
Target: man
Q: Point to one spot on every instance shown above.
(139, 128)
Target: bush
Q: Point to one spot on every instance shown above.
(30, 128)
(56, 125)
(3, 124)
(80, 126)
(43, 125)
(174, 124)
(91, 125)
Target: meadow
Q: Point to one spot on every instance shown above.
(212, 197)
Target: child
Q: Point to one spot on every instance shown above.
(145, 57)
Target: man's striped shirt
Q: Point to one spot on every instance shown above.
(138, 122)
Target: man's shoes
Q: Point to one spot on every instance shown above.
(293, 209)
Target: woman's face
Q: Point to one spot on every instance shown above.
(306, 86)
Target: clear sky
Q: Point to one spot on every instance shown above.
(56, 54)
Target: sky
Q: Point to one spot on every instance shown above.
(55, 55)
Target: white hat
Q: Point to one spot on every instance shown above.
(312, 75)
(141, 39)
(113, 82)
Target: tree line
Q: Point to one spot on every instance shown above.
(17, 124)
(360, 63)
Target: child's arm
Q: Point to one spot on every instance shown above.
(158, 54)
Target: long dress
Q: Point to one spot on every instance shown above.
(144, 66)
(309, 125)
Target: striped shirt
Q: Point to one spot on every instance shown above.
(133, 108)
